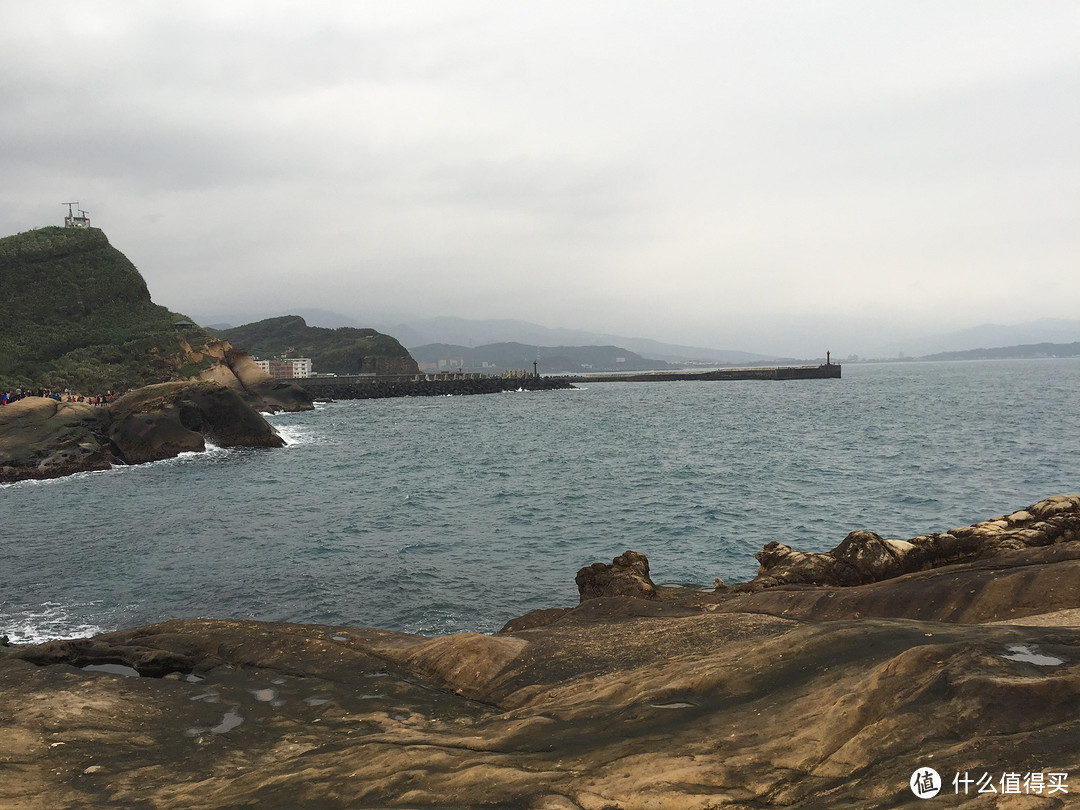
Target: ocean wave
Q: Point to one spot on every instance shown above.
(212, 451)
(293, 434)
(64, 479)
(48, 622)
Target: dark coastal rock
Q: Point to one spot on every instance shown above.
(43, 438)
(161, 421)
(864, 557)
(1008, 587)
(152, 436)
(152, 662)
(628, 575)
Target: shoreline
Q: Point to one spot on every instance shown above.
(801, 695)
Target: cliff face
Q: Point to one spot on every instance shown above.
(77, 314)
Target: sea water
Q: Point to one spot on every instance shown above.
(445, 514)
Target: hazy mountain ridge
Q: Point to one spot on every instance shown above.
(475, 333)
(1021, 352)
(1042, 330)
(497, 357)
(455, 331)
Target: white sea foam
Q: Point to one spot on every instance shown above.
(211, 451)
(48, 622)
(64, 479)
(292, 434)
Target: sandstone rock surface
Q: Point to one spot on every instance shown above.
(628, 575)
(865, 557)
(236, 370)
(785, 696)
(43, 438)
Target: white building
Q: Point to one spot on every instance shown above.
(286, 368)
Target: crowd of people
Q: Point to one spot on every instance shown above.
(67, 396)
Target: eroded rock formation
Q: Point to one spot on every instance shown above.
(864, 557)
(628, 575)
(236, 370)
(43, 438)
(160, 421)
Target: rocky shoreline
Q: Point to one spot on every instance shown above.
(825, 682)
(41, 437)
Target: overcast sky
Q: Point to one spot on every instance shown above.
(766, 176)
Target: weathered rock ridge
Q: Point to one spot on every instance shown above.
(865, 557)
(793, 695)
(44, 438)
(236, 370)
(628, 575)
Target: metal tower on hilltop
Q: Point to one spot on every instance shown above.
(72, 221)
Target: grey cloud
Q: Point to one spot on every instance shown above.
(677, 171)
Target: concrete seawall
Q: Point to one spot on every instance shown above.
(436, 385)
(421, 385)
(826, 371)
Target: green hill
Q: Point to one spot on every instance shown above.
(332, 351)
(77, 314)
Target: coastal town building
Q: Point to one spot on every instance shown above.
(445, 365)
(286, 368)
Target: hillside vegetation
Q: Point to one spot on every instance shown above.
(77, 314)
(332, 351)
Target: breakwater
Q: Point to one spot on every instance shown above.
(825, 371)
(380, 386)
(424, 385)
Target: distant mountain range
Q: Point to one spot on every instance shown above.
(1043, 330)
(495, 358)
(1025, 351)
(462, 332)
